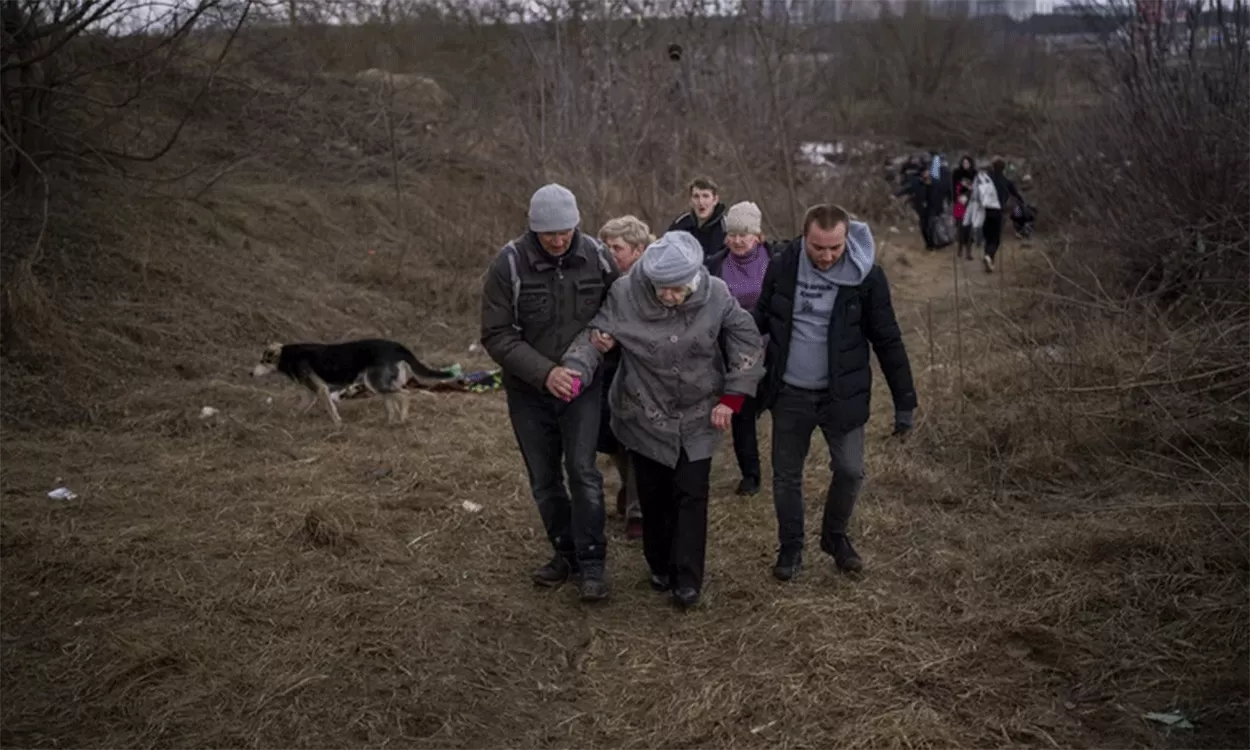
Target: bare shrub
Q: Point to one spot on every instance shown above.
(1129, 335)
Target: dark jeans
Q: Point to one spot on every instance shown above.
(674, 517)
(993, 230)
(965, 236)
(746, 441)
(549, 432)
(925, 232)
(796, 415)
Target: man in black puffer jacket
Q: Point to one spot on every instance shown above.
(824, 301)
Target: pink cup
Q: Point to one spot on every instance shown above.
(577, 386)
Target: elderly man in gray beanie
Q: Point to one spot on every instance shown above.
(675, 392)
(541, 291)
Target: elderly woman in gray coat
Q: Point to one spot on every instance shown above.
(689, 357)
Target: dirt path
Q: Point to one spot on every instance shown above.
(261, 580)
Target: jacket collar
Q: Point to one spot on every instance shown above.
(541, 261)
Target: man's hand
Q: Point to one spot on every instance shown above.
(602, 341)
(721, 416)
(560, 382)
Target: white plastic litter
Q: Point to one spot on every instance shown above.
(471, 506)
(62, 493)
(207, 412)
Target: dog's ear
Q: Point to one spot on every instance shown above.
(272, 352)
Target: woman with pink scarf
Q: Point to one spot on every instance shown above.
(742, 265)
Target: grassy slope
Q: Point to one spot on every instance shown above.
(258, 579)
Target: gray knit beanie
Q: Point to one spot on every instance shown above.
(553, 209)
(743, 218)
(673, 260)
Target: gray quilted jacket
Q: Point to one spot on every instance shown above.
(673, 367)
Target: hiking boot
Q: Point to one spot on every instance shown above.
(686, 596)
(659, 582)
(748, 486)
(788, 564)
(844, 555)
(633, 529)
(555, 572)
(594, 588)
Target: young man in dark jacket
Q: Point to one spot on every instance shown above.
(706, 218)
(824, 301)
(540, 292)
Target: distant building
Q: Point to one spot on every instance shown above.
(833, 11)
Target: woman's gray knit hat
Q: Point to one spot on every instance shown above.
(673, 260)
(553, 208)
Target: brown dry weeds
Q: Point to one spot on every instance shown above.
(261, 580)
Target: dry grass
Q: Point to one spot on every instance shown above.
(258, 579)
(261, 580)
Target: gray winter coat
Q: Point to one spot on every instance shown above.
(673, 369)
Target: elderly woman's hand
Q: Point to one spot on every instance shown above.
(721, 417)
(602, 341)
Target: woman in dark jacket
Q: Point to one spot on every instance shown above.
(963, 176)
(993, 228)
(966, 171)
(626, 237)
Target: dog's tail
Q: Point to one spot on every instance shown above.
(427, 372)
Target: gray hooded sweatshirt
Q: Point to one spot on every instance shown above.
(673, 368)
(814, 294)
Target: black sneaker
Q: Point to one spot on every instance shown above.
(788, 564)
(594, 588)
(686, 596)
(844, 555)
(555, 572)
(748, 486)
(659, 582)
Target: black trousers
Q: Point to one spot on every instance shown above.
(925, 230)
(674, 517)
(993, 229)
(746, 439)
(965, 236)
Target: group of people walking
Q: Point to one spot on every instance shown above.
(650, 349)
(973, 201)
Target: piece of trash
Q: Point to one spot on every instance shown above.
(377, 474)
(418, 538)
(893, 230)
(269, 399)
(470, 506)
(474, 347)
(207, 412)
(62, 493)
(762, 727)
(1172, 719)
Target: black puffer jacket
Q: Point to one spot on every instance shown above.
(862, 315)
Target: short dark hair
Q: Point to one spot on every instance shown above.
(825, 216)
(703, 183)
(999, 165)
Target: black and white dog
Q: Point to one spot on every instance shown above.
(377, 365)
